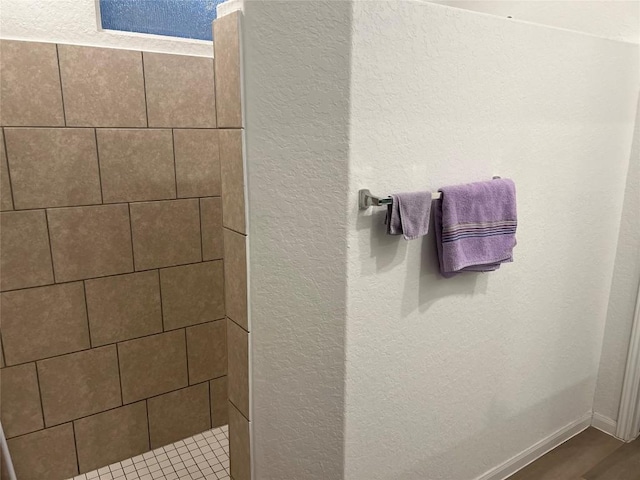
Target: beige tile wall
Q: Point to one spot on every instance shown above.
(227, 49)
(112, 316)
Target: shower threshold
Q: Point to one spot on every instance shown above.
(203, 456)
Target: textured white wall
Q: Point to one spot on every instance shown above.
(615, 19)
(76, 22)
(444, 379)
(297, 140)
(624, 289)
(447, 378)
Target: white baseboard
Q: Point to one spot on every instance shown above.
(534, 452)
(604, 424)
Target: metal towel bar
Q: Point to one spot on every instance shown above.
(368, 200)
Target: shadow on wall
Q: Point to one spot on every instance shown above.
(391, 251)
(500, 425)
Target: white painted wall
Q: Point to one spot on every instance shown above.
(462, 374)
(76, 22)
(444, 379)
(615, 19)
(624, 289)
(297, 65)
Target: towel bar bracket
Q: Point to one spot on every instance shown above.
(366, 199)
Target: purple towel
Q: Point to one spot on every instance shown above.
(408, 214)
(476, 226)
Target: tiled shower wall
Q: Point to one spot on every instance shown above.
(227, 52)
(112, 312)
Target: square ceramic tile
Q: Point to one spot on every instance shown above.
(211, 225)
(79, 384)
(20, 400)
(180, 91)
(235, 277)
(239, 445)
(207, 351)
(53, 167)
(6, 198)
(226, 44)
(54, 448)
(238, 376)
(158, 462)
(42, 322)
(102, 87)
(25, 258)
(219, 405)
(111, 436)
(178, 414)
(145, 373)
(136, 165)
(197, 162)
(192, 294)
(90, 241)
(30, 84)
(166, 233)
(123, 307)
(232, 178)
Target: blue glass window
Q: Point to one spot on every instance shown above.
(174, 18)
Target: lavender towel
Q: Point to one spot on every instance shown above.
(476, 226)
(408, 214)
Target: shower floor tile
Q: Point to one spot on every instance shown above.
(203, 456)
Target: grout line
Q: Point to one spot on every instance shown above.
(209, 396)
(133, 202)
(146, 408)
(161, 302)
(201, 232)
(54, 127)
(144, 88)
(111, 409)
(6, 157)
(239, 411)
(75, 444)
(4, 359)
(175, 167)
(64, 111)
(133, 255)
(35, 364)
(186, 351)
(117, 275)
(161, 394)
(95, 133)
(114, 343)
(86, 311)
(119, 374)
(53, 268)
(235, 231)
(238, 325)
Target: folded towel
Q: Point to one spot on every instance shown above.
(476, 226)
(408, 214)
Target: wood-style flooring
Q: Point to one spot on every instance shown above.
(590, 455)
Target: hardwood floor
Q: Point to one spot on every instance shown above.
(590, 455)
